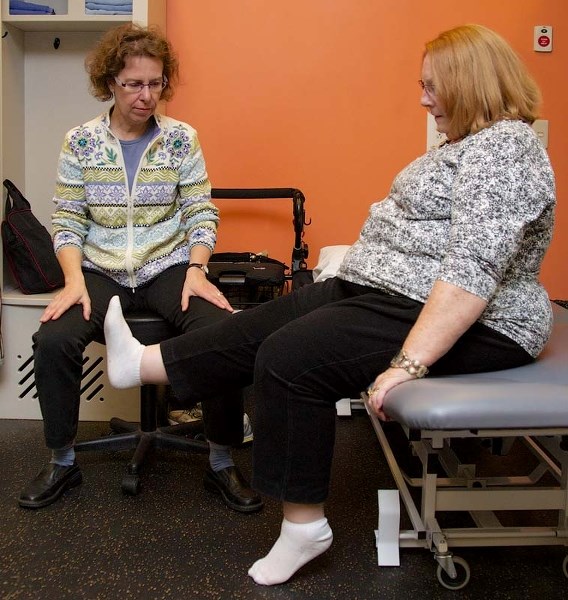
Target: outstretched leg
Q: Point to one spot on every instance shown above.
(129, 363)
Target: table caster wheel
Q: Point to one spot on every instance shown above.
(131, 484)
(565, 566)
(463, 574)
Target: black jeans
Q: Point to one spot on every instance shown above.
(59, 346)
(305, 351)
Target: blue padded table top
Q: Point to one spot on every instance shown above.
(531, 397)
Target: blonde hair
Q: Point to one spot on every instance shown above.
(480, 79)
(109, 55)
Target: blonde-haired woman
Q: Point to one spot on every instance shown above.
(479, 80)
(443, 279)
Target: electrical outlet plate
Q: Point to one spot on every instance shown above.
(433, 136)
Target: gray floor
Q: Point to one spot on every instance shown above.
(175, 540)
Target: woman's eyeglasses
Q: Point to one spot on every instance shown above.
(427, 87)
(136, 87)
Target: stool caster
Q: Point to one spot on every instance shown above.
(131, 484)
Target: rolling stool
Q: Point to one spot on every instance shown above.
(148, 328)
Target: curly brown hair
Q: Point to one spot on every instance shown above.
(108, 57)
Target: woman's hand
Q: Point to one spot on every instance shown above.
(447, 314)
(385, 382)
(73, 293)
(197, 284)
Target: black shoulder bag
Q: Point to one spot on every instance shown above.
(28, 246)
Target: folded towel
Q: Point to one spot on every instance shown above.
(110, 2)
(18, 7)
(102, 5)
(110, 11)
(21, 5)
(31, 12)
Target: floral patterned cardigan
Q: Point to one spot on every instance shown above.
(133, 235)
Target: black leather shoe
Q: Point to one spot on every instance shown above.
(50, 483)
(235, 491)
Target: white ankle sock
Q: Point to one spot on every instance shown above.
(124, 351)
(297, 545)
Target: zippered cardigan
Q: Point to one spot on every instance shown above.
(133, 235)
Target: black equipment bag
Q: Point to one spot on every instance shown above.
(246, 268)
(28, 246)
(247, 278)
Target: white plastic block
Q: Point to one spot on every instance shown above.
(389, 526)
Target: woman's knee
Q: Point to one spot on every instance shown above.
(57, 343)
(279, 357)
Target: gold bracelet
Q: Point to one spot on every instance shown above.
(412, 367)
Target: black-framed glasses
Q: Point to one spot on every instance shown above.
(136, 87)
(429, 88)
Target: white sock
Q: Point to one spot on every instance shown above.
(124, 351)
(297, 545)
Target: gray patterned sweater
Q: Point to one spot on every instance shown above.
(477, 214)
(133, 235)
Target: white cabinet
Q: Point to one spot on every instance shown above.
(44, 92)
(71, 16)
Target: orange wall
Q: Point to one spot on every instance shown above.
(322, 95)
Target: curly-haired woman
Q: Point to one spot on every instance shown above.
(133, 218)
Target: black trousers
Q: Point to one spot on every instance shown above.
(305, 351)
(59, 346)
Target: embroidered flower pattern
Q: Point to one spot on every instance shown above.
(83, 143)
(177, 143)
